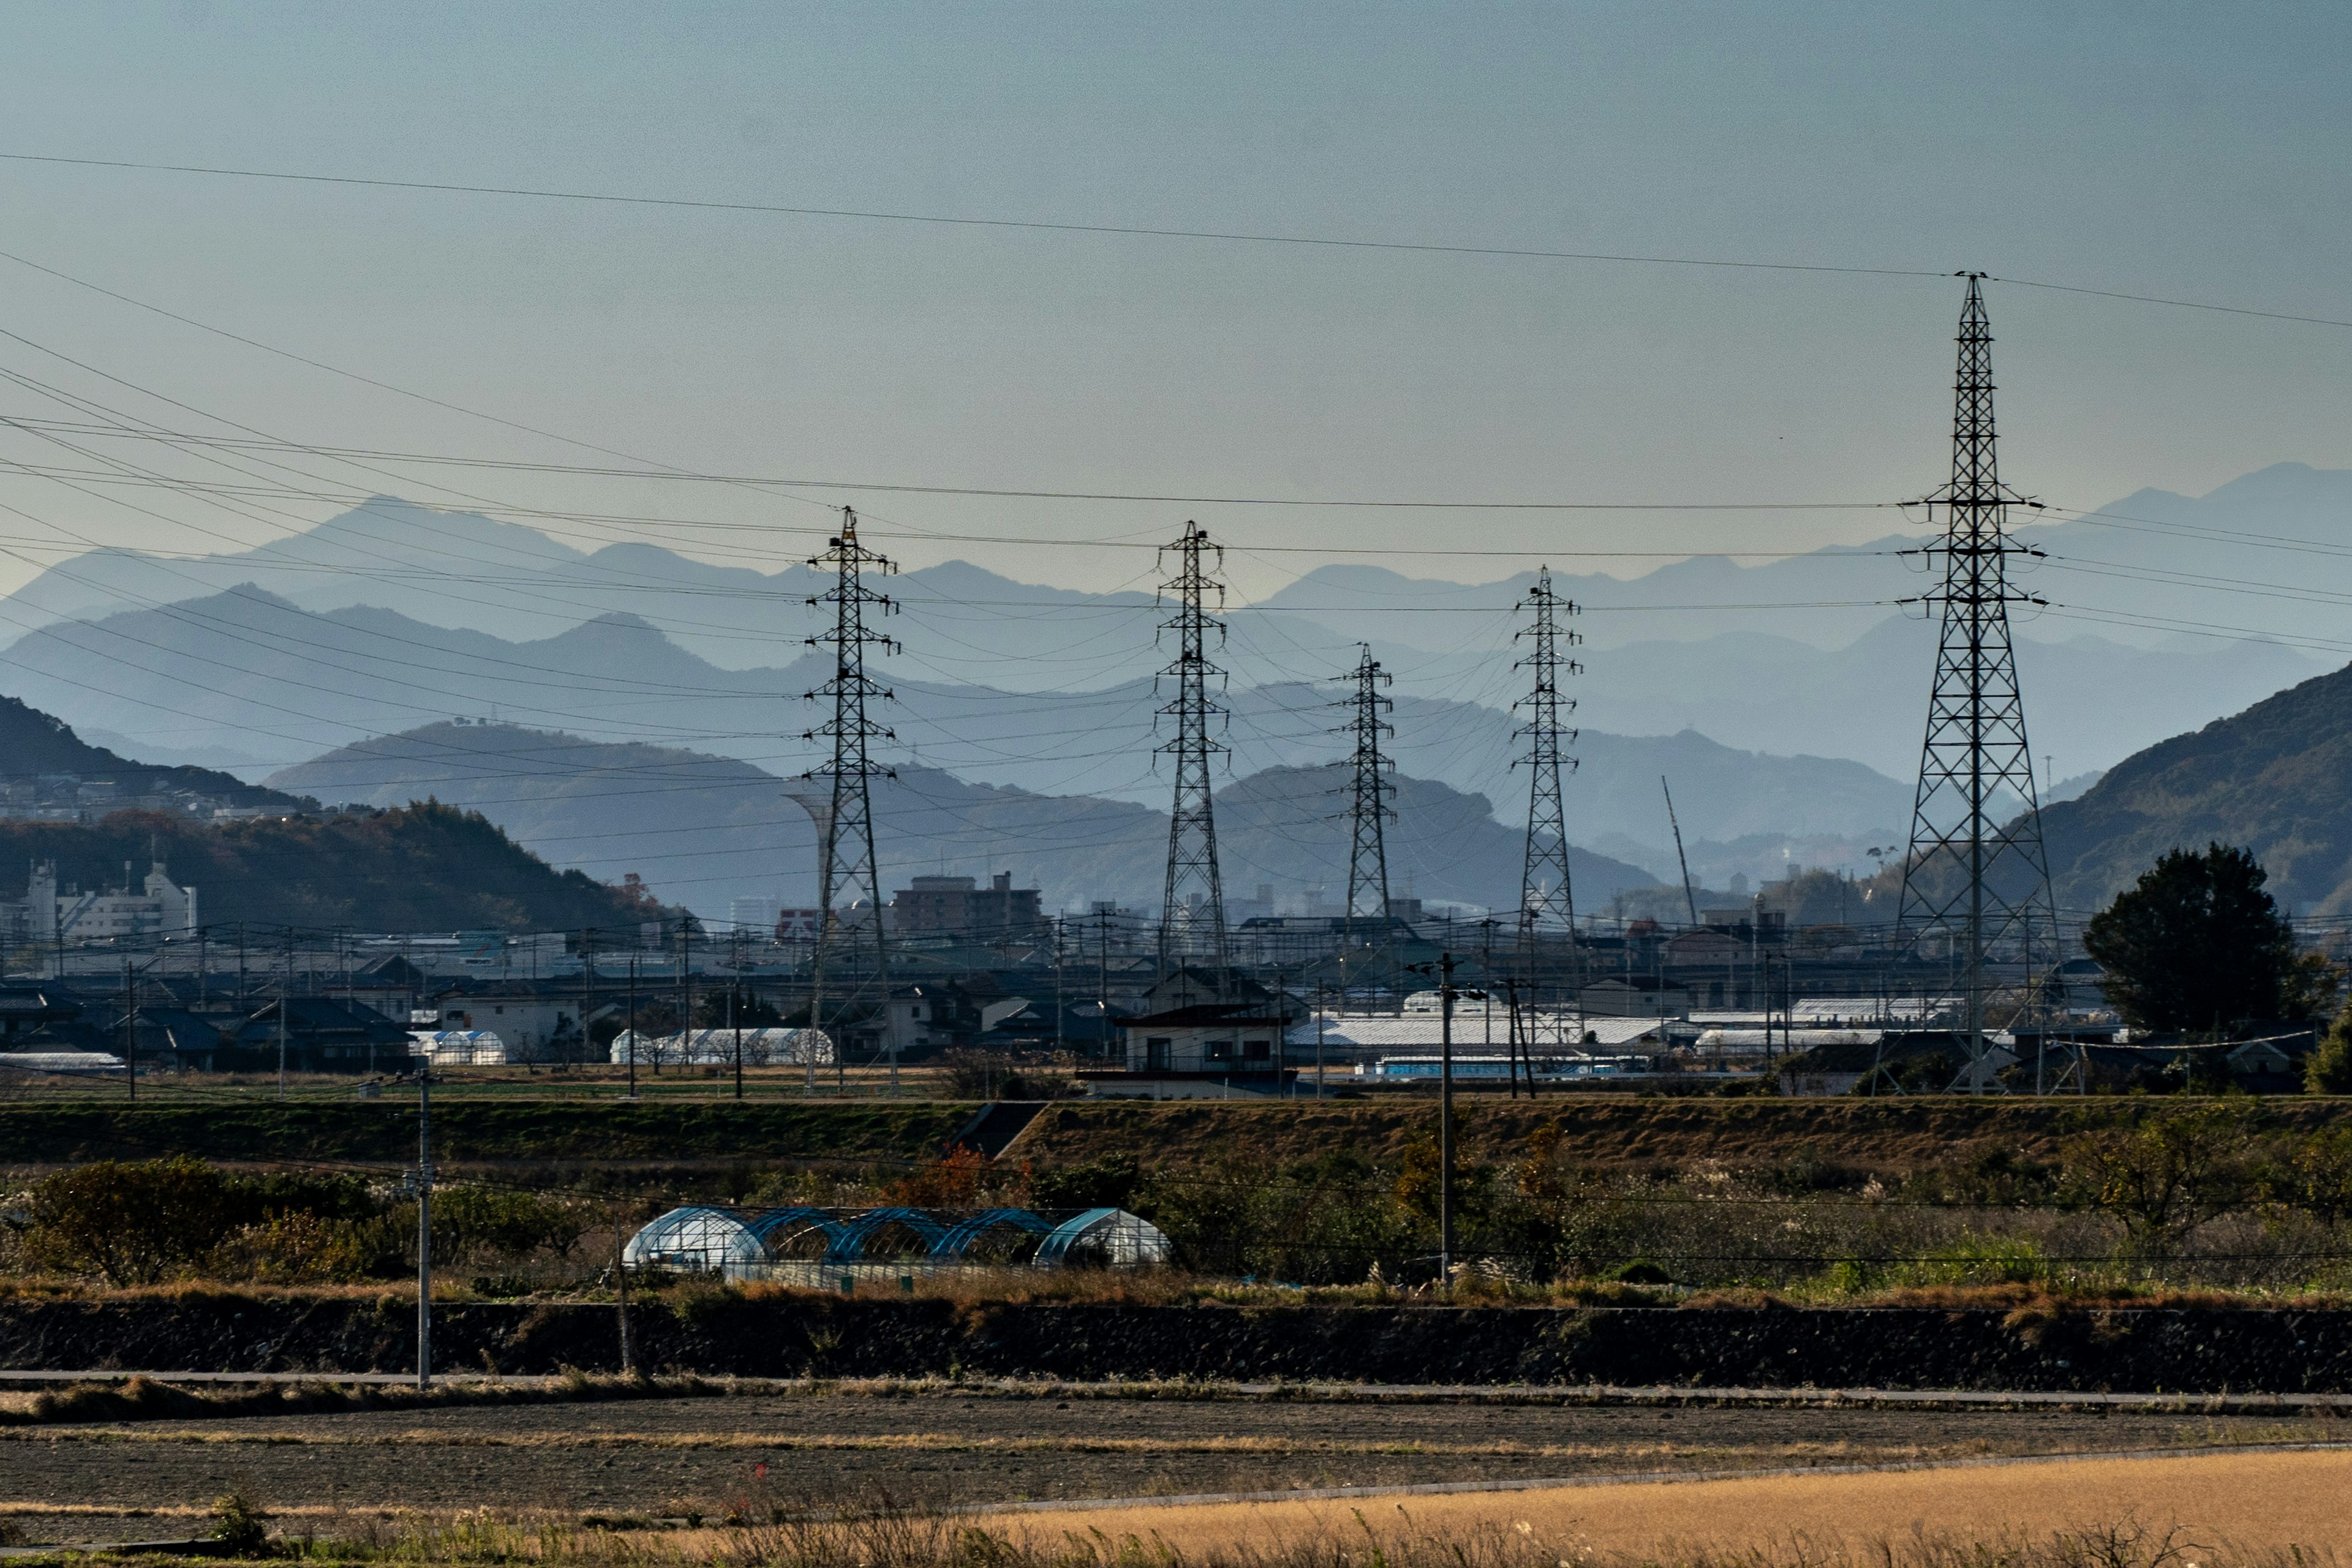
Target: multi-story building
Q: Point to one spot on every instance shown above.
(958, 906)
(157, 906)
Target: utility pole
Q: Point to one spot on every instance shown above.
(735, 1022)
(633, 1025)
(1368, 806)
(129, 1033)
(684, 996)
(846, 853)
(1546, 903)
(1443, 970)
(424, 1222)
(1966, 867)
(621, 1293)
(1321, 1015)
(285, 1006)
(1193, 907)
(587, 986)
(1060, 931)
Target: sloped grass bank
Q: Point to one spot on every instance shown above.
(2043, 1345)
(544, 1131)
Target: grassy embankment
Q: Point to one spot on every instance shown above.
(690, 1120)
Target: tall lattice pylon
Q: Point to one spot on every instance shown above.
(1368, 808)
(844, 812)
(1193, 911)
(1547, 903)
(1977, 873)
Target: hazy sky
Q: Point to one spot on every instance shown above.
(2197, 152)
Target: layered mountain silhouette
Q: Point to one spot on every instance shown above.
(1805, 654)
(250, 663)
(704, 830)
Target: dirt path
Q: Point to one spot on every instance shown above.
(708, 1454)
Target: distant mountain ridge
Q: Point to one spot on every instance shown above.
(704, 829)
(247, 661)
(1794, 654)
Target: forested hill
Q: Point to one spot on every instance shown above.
(33, 743)
(2276, 779)
(420, 868)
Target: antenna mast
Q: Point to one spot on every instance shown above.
(1967, 868)
(846, 857)
(1193, 910)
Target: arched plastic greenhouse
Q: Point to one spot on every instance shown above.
(815, 1246)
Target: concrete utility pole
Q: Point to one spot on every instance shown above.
(285, 1006)
(425, 1223)
(633, 1025)
(129, 1032)
(1443, 971)
(587, 987)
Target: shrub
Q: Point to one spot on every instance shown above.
(299, 1248)
(131, 1224)
(2328, 1068)
(471, 1221)
(2163, 1177)
(239, 1526)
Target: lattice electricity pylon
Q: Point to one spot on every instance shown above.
(847, 862)
(1982, 882)
(1367, 806)
(1546, 904)
(1193, 911)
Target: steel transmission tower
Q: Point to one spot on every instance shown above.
(1984, 882)
(1368, 809)
(1192, 912)
(1545, 903)
(843, 811)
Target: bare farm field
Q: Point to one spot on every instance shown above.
(744, 1454)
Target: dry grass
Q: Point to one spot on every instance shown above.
(144, 1398)
(2232, 1510)
(2263, 1503)
(2229, 1511)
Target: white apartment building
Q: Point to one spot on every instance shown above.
(158, 907)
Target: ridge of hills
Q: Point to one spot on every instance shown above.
(1802, 653)
(704, 829)
(427, 866)
(33, 743)
(2276, 779)
(422, 867)
(246, 662)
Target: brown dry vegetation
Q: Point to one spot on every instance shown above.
(2232, 1510)
(1896, 1135)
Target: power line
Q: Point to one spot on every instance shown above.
(610, 198)
(1149, 232)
